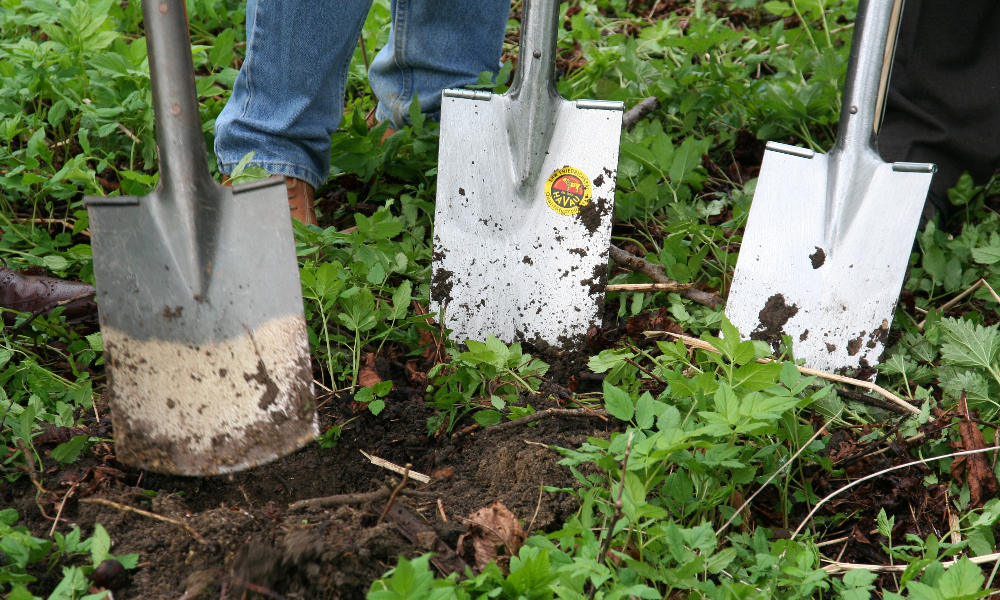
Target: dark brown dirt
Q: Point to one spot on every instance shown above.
(253, 536)
(773, 317)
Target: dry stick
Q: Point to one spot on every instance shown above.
(880, 473)
(637, 112)
(703, 345)
(146, 513)
(537, 506)
(444, 517)
(62, 505)
(340, 499)
(645, 370)
(617, 514)
(775, 474)
(381, 462)
(836, 567)
(395, 492)
(549, 412)
(32, 316)
(648, 287)
(958, 298)
(656, 273)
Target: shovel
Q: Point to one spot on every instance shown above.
(199, 297)
(829, 236)
(525, 199)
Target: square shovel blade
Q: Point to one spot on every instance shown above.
(202, 322)
(833, 291)
(523, 258)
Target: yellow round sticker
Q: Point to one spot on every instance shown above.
(567, 191)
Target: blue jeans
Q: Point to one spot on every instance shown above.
(289, 96)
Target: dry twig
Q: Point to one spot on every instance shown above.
(340, 499)
(395, 492)
(549, 412)
(648, 287)
(381, 462)
(656, 273)
(637, 112)
(146, 513)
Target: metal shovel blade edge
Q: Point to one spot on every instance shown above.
(206, 375)
(509, 259)
(836, 300)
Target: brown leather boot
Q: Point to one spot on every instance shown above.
(32, 293)
(300, 200)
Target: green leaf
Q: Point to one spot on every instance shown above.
(487, 418)
(70, 451)
(221, 54)
(618, 402)
(884, 524)
(376, 406)
(964, 579)
(100, 545)
(969, 345)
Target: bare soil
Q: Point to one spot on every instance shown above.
(256, 543)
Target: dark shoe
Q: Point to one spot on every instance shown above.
(33, 293)
(300, 200)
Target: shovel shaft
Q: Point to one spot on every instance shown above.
(536, 66)
(179, 140)
(871, 55)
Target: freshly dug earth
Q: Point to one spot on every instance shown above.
(253, 536)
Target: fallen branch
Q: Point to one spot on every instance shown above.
(649, 287)
(146, 513)
(381, 462)
(655, 272)
(949, 304)
(543, 414)
(341, 499)
(870, 401)
(836, 567)
(257, 589)
(637, 112)
(703, 345)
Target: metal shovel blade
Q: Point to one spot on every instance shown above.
(829, 236)
(525, 199)
(199, 297)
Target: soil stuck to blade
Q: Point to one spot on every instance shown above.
(772, 318)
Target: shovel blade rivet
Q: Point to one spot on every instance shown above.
(854, 110)
(175, 109)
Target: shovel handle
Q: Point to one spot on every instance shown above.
(868, 73)
(179, 140)
(536, 62)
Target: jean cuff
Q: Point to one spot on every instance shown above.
(279, 168)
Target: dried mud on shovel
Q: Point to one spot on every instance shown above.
(256, 543)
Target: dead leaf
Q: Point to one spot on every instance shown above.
(415, 375)
(981, 478)
(368, 376)
(493, 528)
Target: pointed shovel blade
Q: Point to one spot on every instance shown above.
(523, 258)
(208, 372)
(834, 295)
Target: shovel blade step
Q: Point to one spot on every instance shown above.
(212, 382)
(835, 300)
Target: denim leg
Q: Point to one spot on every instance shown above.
(289, 96)
(434, 45)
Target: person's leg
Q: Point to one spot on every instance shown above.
(434, 45)
(943, 104)
(289, 96)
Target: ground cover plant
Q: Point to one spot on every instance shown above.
(641, 464)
